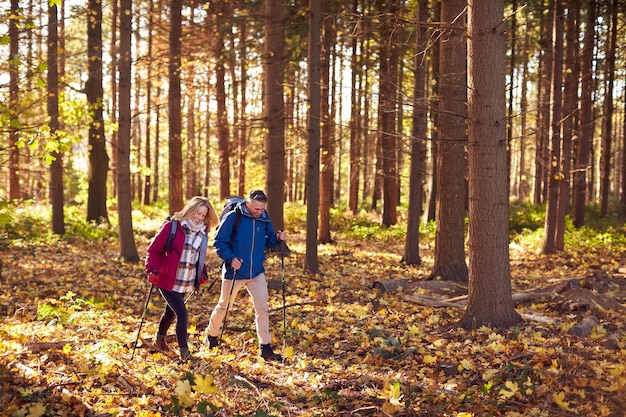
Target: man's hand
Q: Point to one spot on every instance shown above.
(235, 264)
(281, 235)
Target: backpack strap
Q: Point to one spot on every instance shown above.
(168, 245)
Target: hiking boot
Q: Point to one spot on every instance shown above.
(268, 354)
(211, 341)
(185, 355)
(160, 343)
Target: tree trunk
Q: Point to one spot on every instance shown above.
(583, 150)
(355, 120)
(128, 250)
(114, 94)
(387, 112)
(14, 92)
(98, 157)
(175, 115)
(554, 167)
(150, 174)
(570, 116)
(313, 127)
(242, 138)
(451, 141)
(490, 299)
(327, 150)
(418, 137)
(275, 110)
(56, 167)
(607, 116)
(223, 135)
(543, 109)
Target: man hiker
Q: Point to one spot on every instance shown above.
(240, 242)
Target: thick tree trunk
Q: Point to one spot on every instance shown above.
(14, 92)
(175, 114)
(327, 150)
(418, 137)
(554, 167)
(451, 141)
(275, 110)
(490, 302)
(98, 157)
(56, 167)
(128, 250)
(313, 127)
(583, 150)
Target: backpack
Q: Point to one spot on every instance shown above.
(229, 205)
(168, 245)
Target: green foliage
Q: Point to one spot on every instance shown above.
(30, 221)
(64, 309)
(526, 217)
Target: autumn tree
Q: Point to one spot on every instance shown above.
(313, 128)
(274, 110)
(14, 91)
(451, 140)
(128, 250)
(490, 300)
(327, 149)
(555, 169)
(583, 150)
(174, 107)
(418, 136)
(56, 167)
(98, 157)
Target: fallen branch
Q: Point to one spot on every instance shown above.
(36, 347)
(585, 327)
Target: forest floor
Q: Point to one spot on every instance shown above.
(69, 315)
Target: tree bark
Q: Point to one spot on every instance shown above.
(327, 149)
(175, 114)
(555, 170)
(583, 150)
(56, 167)
(14, 92)
(418, 137)
(128, 250)
(313, 127)
(275, 110)
(451, 141)
(489, 289)
(98, 157)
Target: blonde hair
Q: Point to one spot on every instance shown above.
(192, 207)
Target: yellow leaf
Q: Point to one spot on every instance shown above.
(509, 390)
(489, 374)
(428, 359)
(559, 399)
(288, 352)
(467, 365)
(36, 410)
(204, 384)
(67, 349)
(183, 390)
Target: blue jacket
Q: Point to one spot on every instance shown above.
(248, 244)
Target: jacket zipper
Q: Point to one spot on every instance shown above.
(252, 246)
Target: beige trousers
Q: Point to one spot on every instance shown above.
(257, 288)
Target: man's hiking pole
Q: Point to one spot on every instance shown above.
(143, 316)
(227, 306)
(282, 261)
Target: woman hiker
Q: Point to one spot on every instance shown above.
(180, 269)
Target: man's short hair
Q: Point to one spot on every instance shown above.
(257, 195)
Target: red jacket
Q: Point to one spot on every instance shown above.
(166, 264)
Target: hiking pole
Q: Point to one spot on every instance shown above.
(282, 261)
(143, 316)
(227, 306)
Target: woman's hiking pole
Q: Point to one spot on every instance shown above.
(282, 261)
(143, 316)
